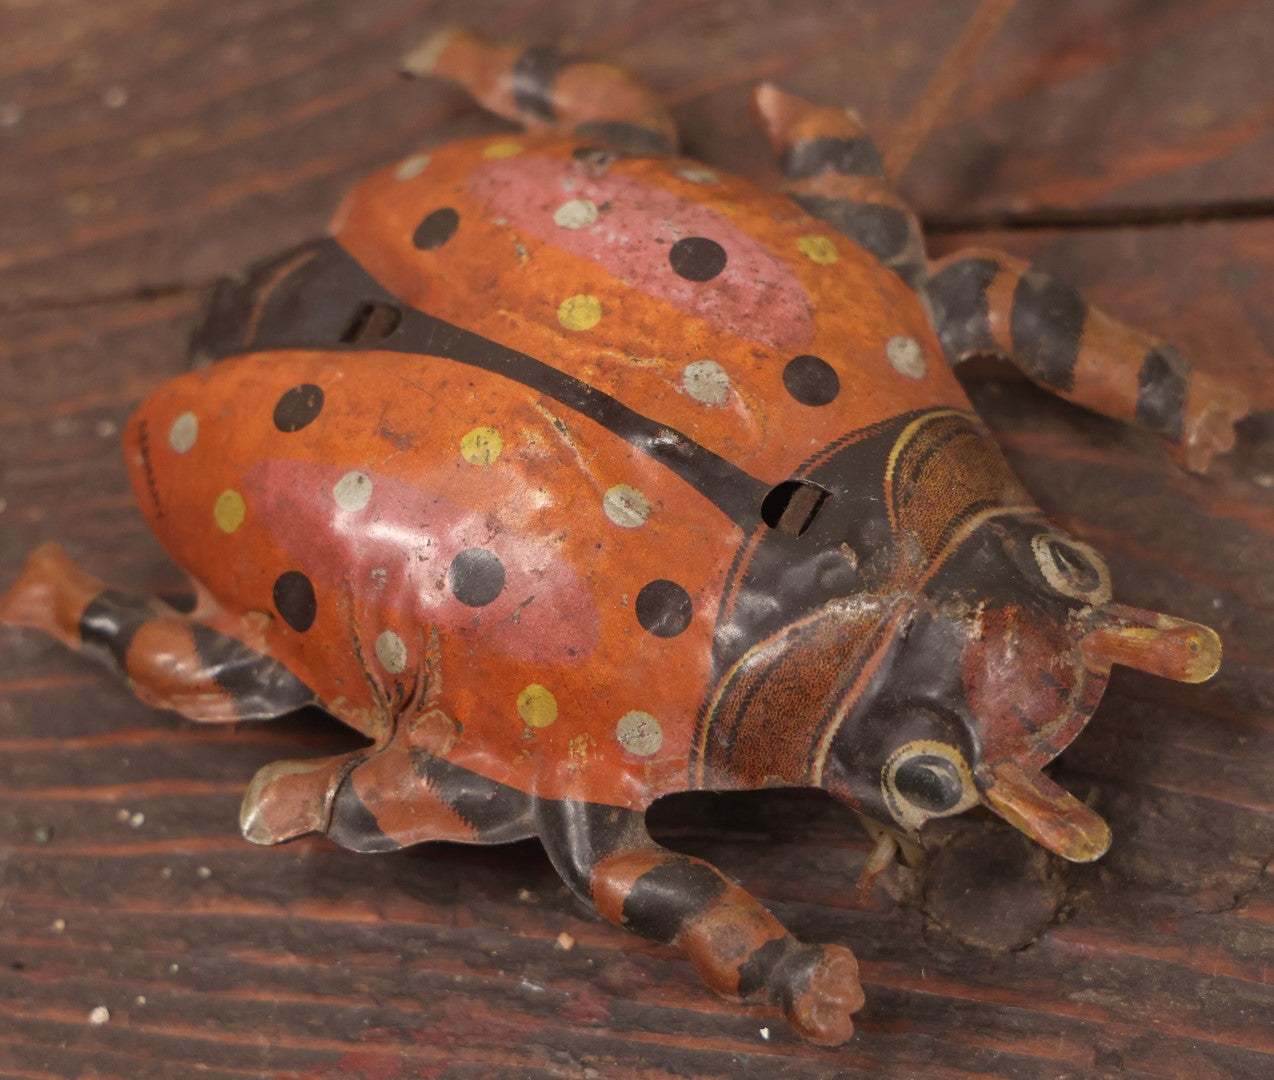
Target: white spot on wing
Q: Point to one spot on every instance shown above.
(412, 167)
(184, 432)
(391, 652)
(626, 506)
(706, 381)
(906, 356)
(575, 214)
(352, 491)
(639, 733)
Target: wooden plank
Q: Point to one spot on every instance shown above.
(1155, 962)
(1103, 108)
(152, 145)
(122, 876)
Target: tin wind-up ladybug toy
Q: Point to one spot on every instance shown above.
(572, 473)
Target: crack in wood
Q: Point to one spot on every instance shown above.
(140, 295)
(1118, 217)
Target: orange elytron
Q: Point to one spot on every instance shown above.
(573, 473)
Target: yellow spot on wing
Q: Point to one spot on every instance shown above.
(537, 706)
(504, 148)
(581, 312)
(229, 511)
(481, 446)
(818, 248)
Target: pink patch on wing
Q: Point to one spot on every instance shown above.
(756, 296)
(395, 552)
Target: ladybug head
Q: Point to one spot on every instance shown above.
(990, 674)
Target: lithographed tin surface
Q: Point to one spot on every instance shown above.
(573, 473)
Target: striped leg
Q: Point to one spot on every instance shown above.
(988, 302)
(200, 665)
(542, 88)
(739, 948)
(383, 799)
(834, 171)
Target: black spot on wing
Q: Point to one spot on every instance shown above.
(294, 599)
(664, 608)
(298, 408)
(811, 380)
(476, 576)
(696, 258)
(436, 229)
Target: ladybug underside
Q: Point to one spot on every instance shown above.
(573, 473)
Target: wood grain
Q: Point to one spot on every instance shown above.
(1139, 134)
(150, 145)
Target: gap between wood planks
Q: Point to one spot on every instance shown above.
(1115, 217)
(939, 224)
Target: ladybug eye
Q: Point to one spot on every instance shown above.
(1072, 568)
(929, 781)
(924, 779)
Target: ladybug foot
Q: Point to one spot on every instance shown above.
(287, 799)
(1212, 410)
(819, 988)
(739, 948)
(50, 595)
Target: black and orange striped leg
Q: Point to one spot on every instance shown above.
(382, 799)
(201, 665)
(834, 171)
(540, 87)
(984, 301)
(741, 950)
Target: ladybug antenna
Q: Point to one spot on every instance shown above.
(1157, 644)
(951, 73)
(1047, 813)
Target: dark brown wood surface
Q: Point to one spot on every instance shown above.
(148, 146)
